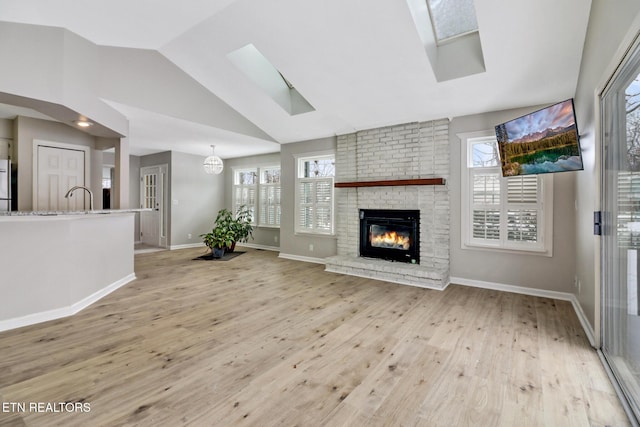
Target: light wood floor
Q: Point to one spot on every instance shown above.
(264, 341)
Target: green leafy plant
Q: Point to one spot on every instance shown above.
(218, 237)
(229, 229)
(241, 225)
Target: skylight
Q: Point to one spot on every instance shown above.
(452, 18)
(265, 75)
(449, 32)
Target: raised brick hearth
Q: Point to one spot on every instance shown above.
(409, 151)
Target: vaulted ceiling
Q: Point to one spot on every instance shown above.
(166, 65)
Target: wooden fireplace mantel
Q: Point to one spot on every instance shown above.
(391, 183)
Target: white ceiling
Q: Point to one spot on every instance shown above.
(359, 63)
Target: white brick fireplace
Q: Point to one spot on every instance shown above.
(409, 151)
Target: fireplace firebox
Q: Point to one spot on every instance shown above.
(390, 234)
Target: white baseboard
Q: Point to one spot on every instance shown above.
(187, 246)
(248, 245)
(302, 258)
(263, 247)
(58, 313)
(584, 322)
(563, 296)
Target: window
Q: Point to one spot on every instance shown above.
(259, 190)
(452, 18)
(269, 200)
(245, 189)
(502, 213)
(314, 194)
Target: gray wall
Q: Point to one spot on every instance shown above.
(263, 236)
(195, 199)
(608, 25)
(6, 128)
(533, 271)
(26, 130)
(290, 242)
(58, 66)
(134, 193)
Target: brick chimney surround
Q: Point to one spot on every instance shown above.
(402, 154)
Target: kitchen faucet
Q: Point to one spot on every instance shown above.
(74, 188)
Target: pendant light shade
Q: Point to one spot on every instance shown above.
(213, 164)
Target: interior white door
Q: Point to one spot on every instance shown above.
(59, 169)
(153, 222)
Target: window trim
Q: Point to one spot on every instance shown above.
(257, 207)
(298, 179)
(545, 248)
(234, 207)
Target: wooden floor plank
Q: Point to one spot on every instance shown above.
(260, 340)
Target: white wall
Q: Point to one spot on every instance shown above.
(609, 23)
(53, 266)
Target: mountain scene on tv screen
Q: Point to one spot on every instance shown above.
(541, 142)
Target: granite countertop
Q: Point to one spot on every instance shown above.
(56, 213)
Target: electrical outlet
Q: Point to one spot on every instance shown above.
(310, 247)
(579, 287)
(189, 236)
(275, 239)
(575, 281)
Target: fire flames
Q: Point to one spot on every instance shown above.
(391, 239)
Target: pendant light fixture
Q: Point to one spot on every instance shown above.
(213, 164)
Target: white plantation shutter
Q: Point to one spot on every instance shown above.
(269, 200)
(486, 205)
(501, 213)
(523, 208)
(486, 224)
(314, 195)
(270, 205)
(522, 189)
(316, 205)
(245, 191)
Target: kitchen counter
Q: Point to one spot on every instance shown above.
(69, 213)
(54, 264)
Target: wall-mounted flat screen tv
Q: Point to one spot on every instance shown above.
(544, 141)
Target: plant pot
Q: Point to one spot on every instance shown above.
(217, 253)
(231, 248)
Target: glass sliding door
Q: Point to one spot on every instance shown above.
(621, 234)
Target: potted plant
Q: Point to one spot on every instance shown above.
(217, 240)
(241, 225)
(238, 225)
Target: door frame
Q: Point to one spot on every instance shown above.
(627, 47)
(63, 146)
(163, 193)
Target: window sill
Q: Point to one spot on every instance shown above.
(311, 234)
(546, 252)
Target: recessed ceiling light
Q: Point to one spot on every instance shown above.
(83, 123)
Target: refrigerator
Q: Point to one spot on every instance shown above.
(5, 185)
